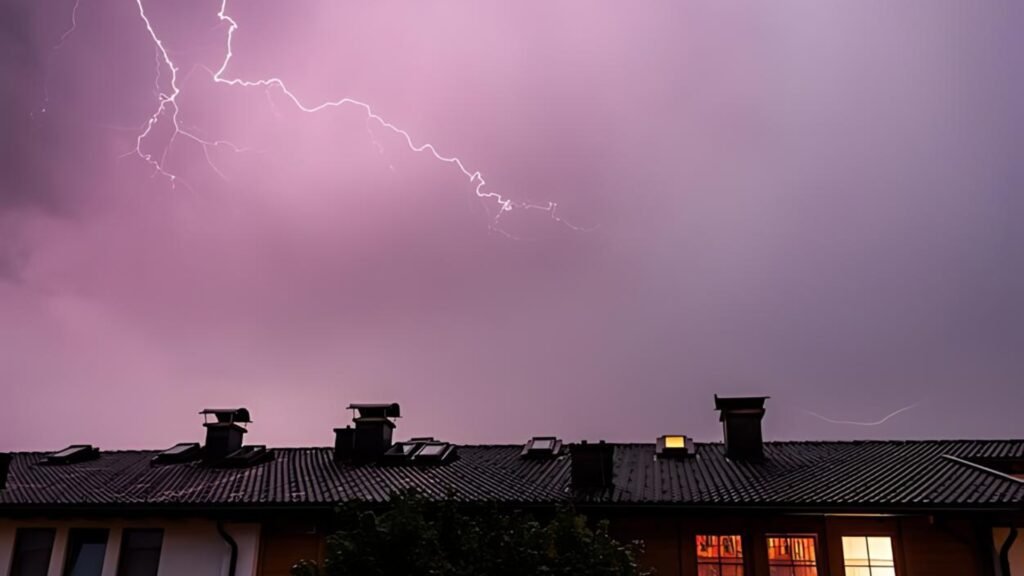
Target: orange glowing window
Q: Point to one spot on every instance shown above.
(719, 555)
(791, 555)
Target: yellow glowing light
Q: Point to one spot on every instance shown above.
(675, 442)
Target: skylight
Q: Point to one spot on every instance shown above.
(248, 456)
(183, 452)
(73, 454)
(432, 450)
(542, 447)
(672, 445)
(675, 441)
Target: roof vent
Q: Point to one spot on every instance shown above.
(592, 465)
(179, 453)
(741, 421)
(73, 454)
(542, 447)
(224, 434)
(673, 446)
(5, 467)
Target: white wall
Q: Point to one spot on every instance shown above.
(999, 536)
(190, 547)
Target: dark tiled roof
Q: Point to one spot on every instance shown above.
(832, 475)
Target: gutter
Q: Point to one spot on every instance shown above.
(234, 547)
(1004, 551)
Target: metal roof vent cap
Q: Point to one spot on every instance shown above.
(373, 431)
(224, 433)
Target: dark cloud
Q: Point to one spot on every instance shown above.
(812, 202)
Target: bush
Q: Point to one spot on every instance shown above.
(414, 537)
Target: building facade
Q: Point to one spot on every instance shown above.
(742, 507)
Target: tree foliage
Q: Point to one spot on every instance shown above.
(416, 538)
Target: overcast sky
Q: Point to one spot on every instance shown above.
(817, 201)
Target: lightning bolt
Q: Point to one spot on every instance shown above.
(49, 59)
(888, 417)
(169, 109)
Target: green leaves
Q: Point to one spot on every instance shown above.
(414, 537)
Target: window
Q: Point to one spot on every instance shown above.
(675, 442)
(140, 552)
(73, 454)
(868, 556)
(719, 555)
(32, 549)
(543, 444)
(432, 450)
(86, 548)
(792, 555)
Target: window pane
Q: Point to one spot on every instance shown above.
(140, 552)
(732, 546)
(792, 551)
(805, 571)
(880, 549)
(32, 550)
(85, 552)
(732, 570)
(883, 572)
(855, 550)
(857, 571)
(708, 570)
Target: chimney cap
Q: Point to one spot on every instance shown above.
(392, 410)
(737, 403)
(228, 415)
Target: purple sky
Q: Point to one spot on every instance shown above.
(818, 201)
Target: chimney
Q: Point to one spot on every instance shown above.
(741, 422)
(372, 435)
(591, 465)
(5, 466)
(224, 434)
(344, 444)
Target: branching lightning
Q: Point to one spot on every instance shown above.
(169, 108)
(857, 423)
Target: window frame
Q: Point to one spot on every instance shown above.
(895, 563)
(18, 538)
(814, 537)
(125, 532)
(66, 569)
(720, 561)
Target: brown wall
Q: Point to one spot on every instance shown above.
(283, 545)
(922, 546)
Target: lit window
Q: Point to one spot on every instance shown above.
(86, 548)
(675, 441)
(868, 556)
(32, 550)
(140, 552)
(792, 555)
(719, 555)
